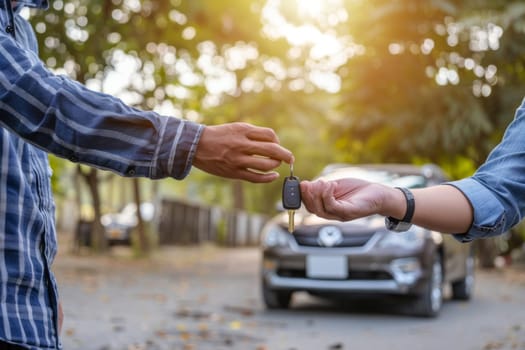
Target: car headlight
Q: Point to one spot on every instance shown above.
(274, 236)
(105, 220)
(411, 239)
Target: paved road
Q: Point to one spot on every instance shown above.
(208, 298)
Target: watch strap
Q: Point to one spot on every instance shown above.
(410, 203)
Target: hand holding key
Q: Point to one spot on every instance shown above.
(240, 151)
(291, 197)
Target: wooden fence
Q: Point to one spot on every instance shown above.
(180, 222)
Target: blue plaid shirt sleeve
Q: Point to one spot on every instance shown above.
(65, 118)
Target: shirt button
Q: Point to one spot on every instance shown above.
(10, 29)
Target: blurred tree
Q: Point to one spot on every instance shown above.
(64, 33)
(339, 80)
(437, 81)
(424, 81)
(431, 82)
(201, 60)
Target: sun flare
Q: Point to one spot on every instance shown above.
(308, 25)
(310, 8)
(301, 21)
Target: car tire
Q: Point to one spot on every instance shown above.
(276, 299)
(463, 289)
(429, 303)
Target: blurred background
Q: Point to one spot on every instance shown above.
(375, 81)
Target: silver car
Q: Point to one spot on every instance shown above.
(361, 257)
(119, 226)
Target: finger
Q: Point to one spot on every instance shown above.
(306, 195)
(256, 177)
(312, 197)
(258, 133)
(259, 163)
(271, 150)
(325, 199)
(332, 207)
(255, 162)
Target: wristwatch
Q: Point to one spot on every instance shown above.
(404, 224)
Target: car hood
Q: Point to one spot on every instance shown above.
(305, 220)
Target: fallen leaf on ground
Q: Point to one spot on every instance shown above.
(245, 311)
(235, 325)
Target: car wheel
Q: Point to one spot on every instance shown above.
(276, 299)
(462, 289)
(429, 303)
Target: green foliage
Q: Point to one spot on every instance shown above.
(417, 83)
(397, 106)
(222, 234)
(58, 165)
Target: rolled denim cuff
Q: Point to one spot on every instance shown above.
(489, 213)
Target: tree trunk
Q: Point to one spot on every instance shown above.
(487, 251)
(99, 242)
(238, 195)
(78, 238)
(143, 244)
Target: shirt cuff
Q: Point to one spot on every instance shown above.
(489, 213)
(177, 146)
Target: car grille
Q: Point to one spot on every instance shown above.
(349, 240)
(352, 275)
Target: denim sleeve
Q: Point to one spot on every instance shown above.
(489, 213)
(496, 191)
(65, 118)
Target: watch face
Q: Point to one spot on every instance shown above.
(396, 225)
(390, 223)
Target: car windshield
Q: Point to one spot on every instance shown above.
(146, 209)
(386, 177)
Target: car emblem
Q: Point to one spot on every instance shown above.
(330, 236)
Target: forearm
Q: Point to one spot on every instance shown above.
(442, 208)
(70, 121)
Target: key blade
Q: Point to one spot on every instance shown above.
(291, 219)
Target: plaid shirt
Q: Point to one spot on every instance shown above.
(40, 113)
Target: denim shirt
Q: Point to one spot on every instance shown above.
(496, 191)
(43, 113)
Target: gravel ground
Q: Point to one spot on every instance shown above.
(207, 298)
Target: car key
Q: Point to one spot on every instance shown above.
(291, 197)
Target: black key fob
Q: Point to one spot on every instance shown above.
(291, 193)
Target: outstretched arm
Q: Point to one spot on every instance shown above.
(442, 208)
(65, 118)
(484, 205)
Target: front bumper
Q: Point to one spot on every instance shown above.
(397, 275)
(274, 281)
(118, 234)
